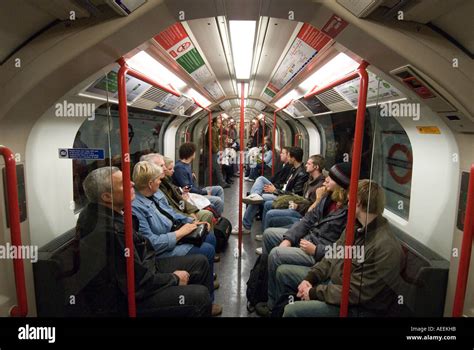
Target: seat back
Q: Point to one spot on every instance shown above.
(424, 278)
(66, 268)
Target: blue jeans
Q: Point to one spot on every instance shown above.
(285, 216)
(267, 206)
(257, 186)
(216, 198)
(277, 256)
(208, 249)
(252, 210)
(284, 222)
(316, 308)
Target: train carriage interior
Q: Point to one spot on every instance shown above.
(100, 84)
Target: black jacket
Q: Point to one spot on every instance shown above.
(280, 177)
(319, 229)
(296, 181)
(97, 219)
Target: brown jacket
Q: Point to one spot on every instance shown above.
(309, 193)
(175, 198)
(373, 281)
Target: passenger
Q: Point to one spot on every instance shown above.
(258, 193)
(179, 202)
(228, 160)
(374, 278)
(284, 217)
(306, 241)
(257, 133)
(267, 161)
(184, 178)
(294, 184)
(216, 148)
(162, 225)
(159, 283)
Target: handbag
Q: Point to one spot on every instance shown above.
(196, 237)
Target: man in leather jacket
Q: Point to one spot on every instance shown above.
(295, 183)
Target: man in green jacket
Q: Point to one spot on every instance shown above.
(375, 274)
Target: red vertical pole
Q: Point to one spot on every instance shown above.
(127, 183)
(466, 247)
(127, 194)
(20, 310)
(210, 147)
(355, 171)
(241, 164)
(274, 141)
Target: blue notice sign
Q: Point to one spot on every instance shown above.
(81, 153)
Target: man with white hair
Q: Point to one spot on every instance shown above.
(178, 201)
(160, 284)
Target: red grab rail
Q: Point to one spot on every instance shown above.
(274, 134)
(20, 310)
(127, 183)
(241, 163)
(355, 168)
(466, 247)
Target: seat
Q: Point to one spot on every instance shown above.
(64, 273)
(425, 279)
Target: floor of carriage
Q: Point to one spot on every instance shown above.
(233, 271)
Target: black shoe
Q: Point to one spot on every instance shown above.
(262, 309)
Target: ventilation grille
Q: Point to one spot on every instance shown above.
(334, 101)
(154, 94)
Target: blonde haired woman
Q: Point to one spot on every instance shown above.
(162, 225)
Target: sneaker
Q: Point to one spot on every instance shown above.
(253, 198)
(251, 180)
(259, 238)
(246, 178)
(259, 251)
(216, 310)
(214, 276)
(235, 231)
(216, 285)
(217, 258)
(262, 309)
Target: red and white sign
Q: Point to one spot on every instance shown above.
(334, 26)
(313, 37)
(171, 36)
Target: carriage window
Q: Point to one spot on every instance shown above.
(143, 132)
(392, 160)
(393, 163)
